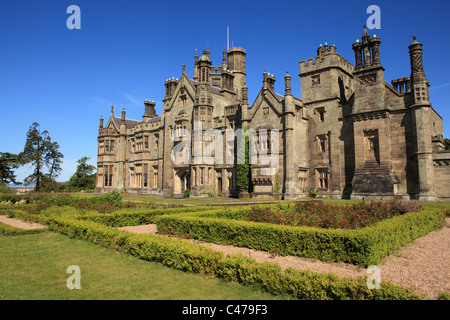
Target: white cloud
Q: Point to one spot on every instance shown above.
(130, 98)
(440, 86)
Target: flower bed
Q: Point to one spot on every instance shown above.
(363, 246)
(321, 215)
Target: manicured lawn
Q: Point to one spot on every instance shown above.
(34, 267)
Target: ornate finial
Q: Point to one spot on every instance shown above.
(287, 84)
(112, 108)
(184, 68)
(414, 37)
(365, 37)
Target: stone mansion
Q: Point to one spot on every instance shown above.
(351, 135)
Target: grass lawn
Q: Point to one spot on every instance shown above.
(34, 267)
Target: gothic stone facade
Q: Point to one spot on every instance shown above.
(351, 135)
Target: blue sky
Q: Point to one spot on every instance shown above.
(66, 79)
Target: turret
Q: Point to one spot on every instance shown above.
(236, 63)
(368, 77)
(204, 68)
(419, 83)
(422, 120)
(101, 123)
(367, 51)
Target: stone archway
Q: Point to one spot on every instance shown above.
(181, 180)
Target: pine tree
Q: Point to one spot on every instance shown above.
(40, 151)
(8, 162)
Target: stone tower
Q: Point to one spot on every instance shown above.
(236, 64)
(371, 123)
(422, 122)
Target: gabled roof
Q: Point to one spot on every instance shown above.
(129, 123)
(213, 89)
(155, 119)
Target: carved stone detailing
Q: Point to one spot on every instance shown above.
(370, 78)
(231, 110)
(440, 163)
(370, 116)
(315, 79)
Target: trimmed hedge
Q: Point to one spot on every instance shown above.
(134, 217)
(7, 230)
(365, 246)
(187, 256)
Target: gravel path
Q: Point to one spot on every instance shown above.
(422, 264)
(21, 224)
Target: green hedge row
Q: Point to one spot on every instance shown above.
(121, 218)
(187, 256)
(364, 246)
(7, 230)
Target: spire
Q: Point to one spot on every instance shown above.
(101, 122)
(112, 110)
(365, 37)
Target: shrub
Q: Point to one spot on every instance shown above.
(5, 189)
(312, 193)
(7, 230)
(444, 296)
(402, 206)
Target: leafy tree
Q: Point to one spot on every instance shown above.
(50, 185)
(447, 144)
(84, 178)
(8, 162)
(40, 151)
